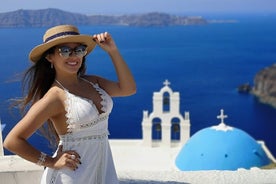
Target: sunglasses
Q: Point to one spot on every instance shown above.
(66, 52)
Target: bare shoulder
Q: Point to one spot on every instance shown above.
(54, 94)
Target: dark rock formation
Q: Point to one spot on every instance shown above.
(244, 88)
(265, 85)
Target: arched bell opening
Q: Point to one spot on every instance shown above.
(156, 129)
(175, 129)
(166, 102)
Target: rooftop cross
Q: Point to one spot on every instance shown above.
(166, 82)
(222, 116)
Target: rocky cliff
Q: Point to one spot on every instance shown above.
(50, 17)
(265, 85)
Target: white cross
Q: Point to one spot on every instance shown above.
(166, 83)
(222, 116)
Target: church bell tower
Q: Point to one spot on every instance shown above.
(165, 126)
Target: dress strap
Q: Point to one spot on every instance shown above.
(60, 84)
(87, 81)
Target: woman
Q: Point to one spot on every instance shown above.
(75, 105)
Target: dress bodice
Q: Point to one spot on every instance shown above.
(82, 113)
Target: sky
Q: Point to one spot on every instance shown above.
(91, 7)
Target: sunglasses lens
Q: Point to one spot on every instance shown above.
(79, 51)
(65, 51)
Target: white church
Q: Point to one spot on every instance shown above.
(165, 126)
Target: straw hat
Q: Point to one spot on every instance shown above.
(58, 35)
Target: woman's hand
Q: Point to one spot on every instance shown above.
(105, 41)
(66, 159)
(125, 85)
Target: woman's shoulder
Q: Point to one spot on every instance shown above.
(54, 94)
(52, 100)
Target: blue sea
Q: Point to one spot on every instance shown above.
(205, 63)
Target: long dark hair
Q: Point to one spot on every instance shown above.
(37, 80)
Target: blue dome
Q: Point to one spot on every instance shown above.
(214, 148)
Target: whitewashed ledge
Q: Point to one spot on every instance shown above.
(242, 176)
(14, 170)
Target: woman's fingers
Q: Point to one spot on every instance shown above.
(69, 159)
(74, 156)
(101, 37)
(72, 162)
(105, 41)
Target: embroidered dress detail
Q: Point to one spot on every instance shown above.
(76, 127)
(87, 134)
(102, 93)
(103, 96)
(77, 139)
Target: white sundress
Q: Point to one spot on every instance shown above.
(88, 136)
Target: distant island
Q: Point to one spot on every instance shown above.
(51, 17)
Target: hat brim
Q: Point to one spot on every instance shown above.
(37, 52)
